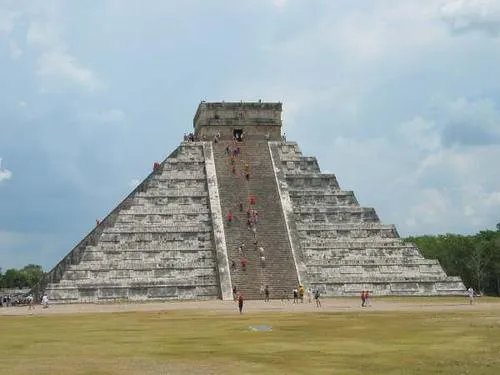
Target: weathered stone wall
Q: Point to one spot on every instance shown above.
(218, 225)
(250, 132)
(255, 119)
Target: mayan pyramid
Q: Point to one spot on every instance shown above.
(171, 238)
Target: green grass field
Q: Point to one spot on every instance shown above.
(208, 343)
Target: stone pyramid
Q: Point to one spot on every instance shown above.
(238, 206)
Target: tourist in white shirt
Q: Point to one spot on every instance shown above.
(471, 294)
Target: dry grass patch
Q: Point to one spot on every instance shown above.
(208, 343)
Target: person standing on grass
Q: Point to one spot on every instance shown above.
(301, 293)
(316, 298)
(266, 293)
(240, 302)
(363, 298)
(470, 293)
(45, 301)
(31, 304)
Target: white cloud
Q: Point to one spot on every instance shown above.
(279, 3)
(5, 174)
(469, 211)
(470, 122)
(7, 20)
(42, 35)
(367, 34)
(432, 208)
(14, 50)
(421, 134)
(7, 25)
(492, 199)
(21, 103)
(470, 15)
(61, 67)
(55, 63)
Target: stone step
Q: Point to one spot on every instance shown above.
(181, 192)
(374, 227)
(133, 282)
(165, 210)
(102, 292)
(152, 246)
(375, 278)
(172, 227)
(369, 261)
(140, 265)
(352, 243)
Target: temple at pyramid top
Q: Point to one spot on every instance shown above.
(252, 120)
(238, 208)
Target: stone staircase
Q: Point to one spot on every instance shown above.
(279, 271)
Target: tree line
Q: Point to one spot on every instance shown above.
(475, 258)
(26, 277)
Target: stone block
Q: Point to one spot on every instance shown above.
(405, 287)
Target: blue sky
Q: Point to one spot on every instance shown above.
(400, 99)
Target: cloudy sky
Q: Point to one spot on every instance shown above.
(401, 99)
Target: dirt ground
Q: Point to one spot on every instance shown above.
(252, 306)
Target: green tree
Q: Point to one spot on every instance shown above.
(26, 277)
(478, 263)
(476, 258)
(15, 279)
(33, 274)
